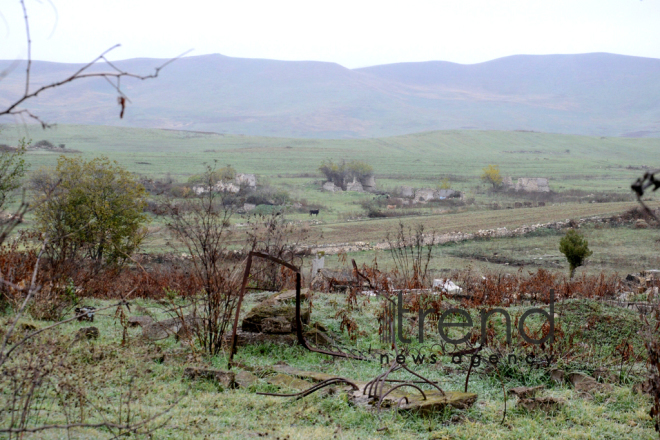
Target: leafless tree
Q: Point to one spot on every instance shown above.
(202, 225)
(113, 76)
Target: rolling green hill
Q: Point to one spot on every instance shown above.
(591, 163)
(589, 94)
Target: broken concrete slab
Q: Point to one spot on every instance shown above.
(245, 379)
(284, 380)
(547, 404)
(226, 378)
(318, 338)
(253, 338)
(290, 295)
(312, 376)
(587, 384)
(276, 325)
(557, 375)
(162, 329)
(524, 392)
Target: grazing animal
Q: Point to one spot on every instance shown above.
(85, 313)
(541, 203)
(314, 212)
(391, 206)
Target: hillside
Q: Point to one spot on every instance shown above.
(589, 94)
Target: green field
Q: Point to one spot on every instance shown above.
(578, 167)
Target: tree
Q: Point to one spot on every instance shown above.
(491, 174)
(576, 249)
(202, 225)
(91, 209)
(339, 173)
(113, 77)
(12, 170)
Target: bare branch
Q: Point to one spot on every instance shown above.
(116, 74)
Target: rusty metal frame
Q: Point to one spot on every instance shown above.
(299, 332)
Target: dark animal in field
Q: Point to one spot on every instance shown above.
(541, 203)
(314, 212)
(85, 313)
(518, 205)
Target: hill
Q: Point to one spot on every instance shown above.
(589, 94)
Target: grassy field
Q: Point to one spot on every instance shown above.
(588, 164)
(207, 410)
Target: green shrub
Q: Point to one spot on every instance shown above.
(576, 249)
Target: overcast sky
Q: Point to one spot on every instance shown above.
(352, 33)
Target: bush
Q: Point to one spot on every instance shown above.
(340, 173)
(92, 209)
(576, 249)
(491, 174)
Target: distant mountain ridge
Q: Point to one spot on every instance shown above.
(591, 94)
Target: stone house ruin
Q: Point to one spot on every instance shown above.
(365, 184)
(241, 180)
(426, 194)
(527, 184)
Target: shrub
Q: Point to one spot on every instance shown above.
(341, 172)
(491, 174)
(91, 209)
(576, 249)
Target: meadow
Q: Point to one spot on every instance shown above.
(589, 177)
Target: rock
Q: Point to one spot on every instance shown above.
(546, 404)
(276, 325)
(254, 338)
(523, 392)
(557, 375)
(245, 379)
(317, 337)
(162, 329)
(226, 378)
(141, 321)
(582, 382)
(87, 333)
(290, 295)
(641, 224)
(272, 308)
(286, 381)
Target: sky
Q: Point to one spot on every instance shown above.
(353, 33)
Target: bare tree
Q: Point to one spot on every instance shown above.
(113, 76)
(202, 225)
